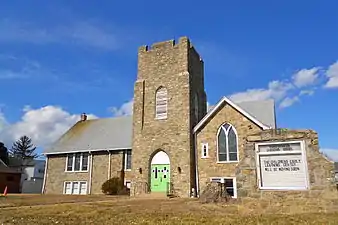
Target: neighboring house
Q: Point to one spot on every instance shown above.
(32, 174)
(172, 144)
(35, 169)
(10, 178)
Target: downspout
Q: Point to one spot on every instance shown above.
(196, 161)
(45, 176)
(109, 164)
(90, 173)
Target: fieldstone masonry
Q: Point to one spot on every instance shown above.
(56, 175)
(179, 69)
(209, 167)
(320, 169)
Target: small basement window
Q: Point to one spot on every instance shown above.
(75, 187)
(229, 184)
(127, 183)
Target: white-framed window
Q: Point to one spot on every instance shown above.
(127, 160)
(205, 150)
(77, 162)
(161, 103)
(127, 183)
(230, 185)
(75, 187)
(227, 144)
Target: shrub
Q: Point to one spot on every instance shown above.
(113, 186)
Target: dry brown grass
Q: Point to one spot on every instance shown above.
(32, 200)
(123, 210)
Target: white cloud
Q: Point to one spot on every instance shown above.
(3, 121)
(82, 33)
(332, 75)
(44, 125)
(275, 90)
(306, 92)
(209, 106)
(125, 110)
(305, 77)
(288, 101)
(17, 68)
(331, 153)
(281, 91)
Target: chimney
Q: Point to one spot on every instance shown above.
(83, 117)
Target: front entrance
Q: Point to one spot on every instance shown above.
(160, 178)
(160, 172)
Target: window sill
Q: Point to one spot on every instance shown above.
(80, 171)
(227, 162)
(205, 157)
(160, 118)
(127, 170)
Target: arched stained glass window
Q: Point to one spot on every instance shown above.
(161, 102)
(227, 144)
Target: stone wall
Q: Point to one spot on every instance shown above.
(209, 167)
(320, 169)
(56, 175)
(178, 68)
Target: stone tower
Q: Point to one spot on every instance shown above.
(169, 100)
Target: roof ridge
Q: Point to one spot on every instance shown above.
(110, 118)
(237, 107)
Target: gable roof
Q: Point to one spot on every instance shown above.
(15, 162)
(95, 135)
(5, 169)
(2, 164)
(261, 113)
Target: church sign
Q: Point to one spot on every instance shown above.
(282, 166)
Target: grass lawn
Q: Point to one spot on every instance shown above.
(124, 210)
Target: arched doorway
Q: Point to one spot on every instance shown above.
(160, 172)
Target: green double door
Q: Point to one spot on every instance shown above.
(160, 177)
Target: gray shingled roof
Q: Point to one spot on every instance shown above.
(264, 111)
(116, 133)
(94, 135)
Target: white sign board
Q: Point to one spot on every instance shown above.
(282, 166)
(282, 147)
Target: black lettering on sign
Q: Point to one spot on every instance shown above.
(282, 165)
(281, 147)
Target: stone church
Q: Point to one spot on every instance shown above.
(173, 145)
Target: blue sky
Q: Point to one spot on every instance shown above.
(61, 58)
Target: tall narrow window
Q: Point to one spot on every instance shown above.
(161, 107)
(227, 144)
(70, 162)
(127, 160)
(205, 150)
(77, 161)
(85, 161)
